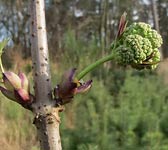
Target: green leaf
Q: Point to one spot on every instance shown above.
(2, 45)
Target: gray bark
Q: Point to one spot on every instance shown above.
(47, 119)
(155, 15)
(156, 20)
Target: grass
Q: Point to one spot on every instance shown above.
(17, 130)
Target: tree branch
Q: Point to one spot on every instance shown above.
(47, 119)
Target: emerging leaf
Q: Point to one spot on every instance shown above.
(122, 25)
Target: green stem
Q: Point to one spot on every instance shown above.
(94, 65)
(1, 66)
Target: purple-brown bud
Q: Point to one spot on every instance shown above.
(70, 87)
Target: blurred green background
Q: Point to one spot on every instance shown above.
(124, 110)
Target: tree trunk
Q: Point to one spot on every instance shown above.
(156, 19)
(155, 15)
(46, 114)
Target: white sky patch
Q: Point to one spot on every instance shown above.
(147, 2)
(78, 13)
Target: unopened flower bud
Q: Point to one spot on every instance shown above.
(138, 46)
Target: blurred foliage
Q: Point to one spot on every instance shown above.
(17, 132)
(124, 110)
(87, 19)
(138, 121)
(135, 118)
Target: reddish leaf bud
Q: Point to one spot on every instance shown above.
(11, 81)
(24, 81)
(22, 95)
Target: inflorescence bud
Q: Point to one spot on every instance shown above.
(16, 87)
(138, 46)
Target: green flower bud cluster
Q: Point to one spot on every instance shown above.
(138, 46)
